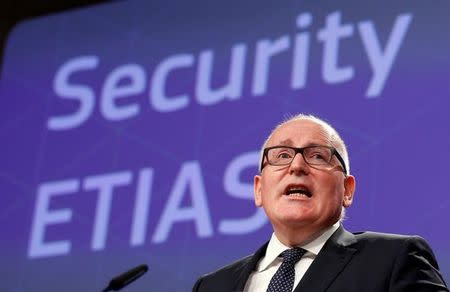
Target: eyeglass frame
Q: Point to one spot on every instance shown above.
(300, 150)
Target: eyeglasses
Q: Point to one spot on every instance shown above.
(318, 156)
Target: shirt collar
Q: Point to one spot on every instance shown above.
(275, 247)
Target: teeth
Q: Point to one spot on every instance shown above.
(297, 195)
(299, 192)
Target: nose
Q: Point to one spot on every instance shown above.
(299, 165)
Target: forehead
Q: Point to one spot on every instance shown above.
(300, 133)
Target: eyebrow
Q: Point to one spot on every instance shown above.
(289, 142)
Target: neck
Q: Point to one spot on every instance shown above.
(298, 236)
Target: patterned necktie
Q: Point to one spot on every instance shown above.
(283, 280)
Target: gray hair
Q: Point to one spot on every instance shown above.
(335, 138)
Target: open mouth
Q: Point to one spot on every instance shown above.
(298, 191)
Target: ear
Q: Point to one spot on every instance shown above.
(257, 190)
(349, 190)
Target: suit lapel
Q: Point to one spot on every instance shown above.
(248, 267)
(330, 261)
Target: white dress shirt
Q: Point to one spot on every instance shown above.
(268, 265)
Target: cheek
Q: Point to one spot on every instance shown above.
(269, 185)
(333, 194)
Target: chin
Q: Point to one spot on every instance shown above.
(297, 220)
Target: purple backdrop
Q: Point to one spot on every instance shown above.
(130, 131)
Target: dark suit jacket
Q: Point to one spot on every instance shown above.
(360, 262)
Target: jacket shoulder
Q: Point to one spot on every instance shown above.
(223, 278)
(387, 238)
(394, 244)
(232, 276)
(230, 268)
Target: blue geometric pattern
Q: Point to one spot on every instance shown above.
(283, 280)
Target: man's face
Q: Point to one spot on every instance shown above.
(327, 189)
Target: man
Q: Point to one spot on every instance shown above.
(304, 186)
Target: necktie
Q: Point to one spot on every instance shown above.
(283, 280)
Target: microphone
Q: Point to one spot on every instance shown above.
(126, 278)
